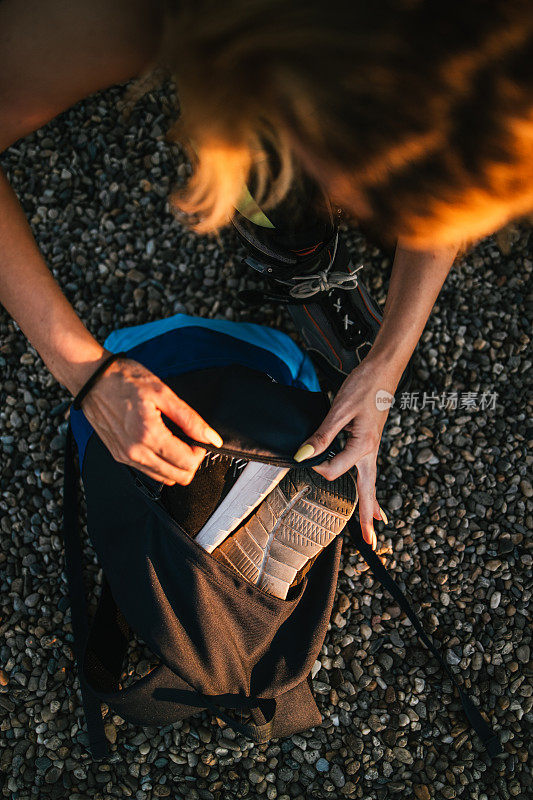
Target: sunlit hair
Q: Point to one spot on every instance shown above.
(415, 116)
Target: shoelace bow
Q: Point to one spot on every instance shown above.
(325, 280)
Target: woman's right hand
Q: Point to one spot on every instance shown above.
(124, 407)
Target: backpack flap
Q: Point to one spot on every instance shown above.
(258, 418)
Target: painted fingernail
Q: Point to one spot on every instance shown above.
(384, 516)
(303, 452)
(214, 438)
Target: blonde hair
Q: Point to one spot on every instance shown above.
(415, 116)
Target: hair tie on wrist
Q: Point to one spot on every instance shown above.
(88, 385)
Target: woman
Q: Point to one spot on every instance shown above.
(414, 117)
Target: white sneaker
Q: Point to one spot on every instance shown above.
(251, 487)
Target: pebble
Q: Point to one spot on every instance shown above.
(32, 599)
(322, 765)
(394, 503)
(337, 776)
(477, 661)
(403, 755)
(425, 456)
(366, 631)
(523, 653)
(453, 658)
(254, 776)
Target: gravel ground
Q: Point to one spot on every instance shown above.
(453, 481)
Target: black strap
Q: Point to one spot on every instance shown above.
(98, 743)
(489, 738)
(259, 730)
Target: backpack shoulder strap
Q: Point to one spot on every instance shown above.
(488, 737)
(98, 743)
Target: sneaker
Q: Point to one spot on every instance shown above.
(326, 298)
(253, 484)
(297, 519)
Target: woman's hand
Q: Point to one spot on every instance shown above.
(356, 411)
(125, 406)
(416, 279)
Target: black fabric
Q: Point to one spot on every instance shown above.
(78, 602)
(257, 417)
(162, 697)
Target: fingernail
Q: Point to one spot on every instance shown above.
(384, 516)
(374, 540)
(214, 438)
(303, 452)
(368, 537)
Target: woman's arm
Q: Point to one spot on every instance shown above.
(52, 54)
(30, 294)
(416, 279)
(125, 405)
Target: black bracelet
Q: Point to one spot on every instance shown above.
(88, 385)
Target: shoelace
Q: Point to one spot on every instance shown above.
(325, 280)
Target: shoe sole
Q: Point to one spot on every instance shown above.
(300, 517)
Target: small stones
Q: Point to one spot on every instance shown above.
(426, 456)
(452, 658)
(476, 662)
(32, 599)
(374, 723)
(394, 503)
(111, 732)
(523, 653)
(403, 755)
(337, 776)
(255, 776)
(366, 631)
(421, 791)
(386, 661)
(526, 489)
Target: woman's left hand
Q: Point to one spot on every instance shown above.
(360, 408)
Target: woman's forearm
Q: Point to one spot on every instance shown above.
(416, 280)
(32, 297)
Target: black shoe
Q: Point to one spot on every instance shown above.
(330, 305)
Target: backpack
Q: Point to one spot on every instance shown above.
(221, 643)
